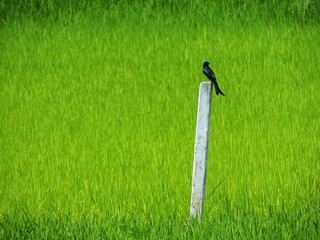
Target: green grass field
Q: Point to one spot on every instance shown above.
(98, 116)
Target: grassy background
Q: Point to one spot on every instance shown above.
(98, 117)
(297, 10)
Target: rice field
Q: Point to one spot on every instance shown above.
(98, 116)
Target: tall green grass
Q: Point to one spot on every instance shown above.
(298, 10)
(98, 121)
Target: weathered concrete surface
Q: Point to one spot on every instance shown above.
(201, 150)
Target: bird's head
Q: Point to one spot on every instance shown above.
(205, 64)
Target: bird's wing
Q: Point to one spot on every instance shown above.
(213, 77)
(208, 73)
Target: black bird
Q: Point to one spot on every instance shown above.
(210, 75)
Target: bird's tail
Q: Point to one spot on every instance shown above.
(221, 93)
(218, 90)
